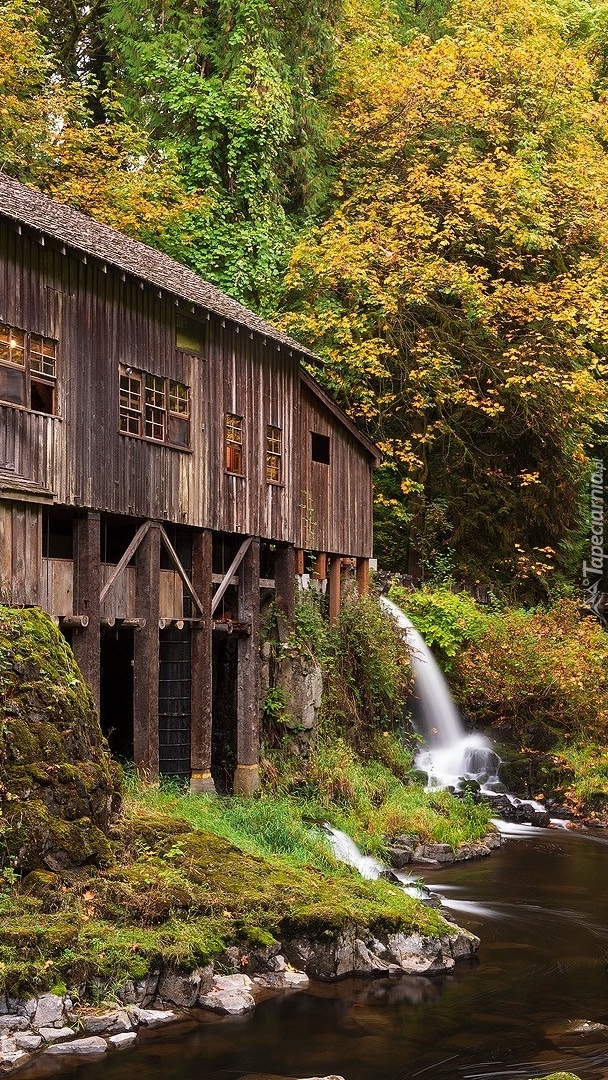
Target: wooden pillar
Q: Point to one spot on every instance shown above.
(285, 581)
(86, 641)
(335, 568)
(319, 570)
(299, 562)
(247, 773)
(146, 654)
(201, 669)
(363, 577)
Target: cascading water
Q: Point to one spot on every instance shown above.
(451, 755)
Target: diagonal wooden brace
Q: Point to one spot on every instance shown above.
(234, 565)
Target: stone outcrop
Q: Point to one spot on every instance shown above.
(59, 788)
(356, 951)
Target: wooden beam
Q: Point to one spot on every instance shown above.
(201, 682)
(234, 565)
(146, 653)
(182, 573)
(247, 777)
(86, 641)
(126, 558)
(299, 562)
(319, 570)
(285, 581)
(363, 577)
(335, 568)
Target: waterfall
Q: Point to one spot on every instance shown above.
(450, 755)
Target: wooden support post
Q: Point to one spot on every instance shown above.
(247, 773)
(319, 570)
(146, 654)
(335, 568)
(299, 562)
(285, 581)
(86, 641)
(201, 670)
(363, 577)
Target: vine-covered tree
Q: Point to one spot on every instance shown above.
(457, 293)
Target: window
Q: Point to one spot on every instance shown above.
(28, 369)
(274, 444)
(234, 443)
(154, 407)
(189, 335)
(320, 448)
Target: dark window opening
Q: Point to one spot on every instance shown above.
(57, 533)
(189, 335)
(224, 698)
(116, 697)
(320, 447)
(116, 535)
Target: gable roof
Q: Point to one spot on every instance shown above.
(81, 233)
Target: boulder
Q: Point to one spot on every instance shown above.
(123, 1040)
(230, 994)
(94, 1046)
(115, 1022)
(50, 1011)
(59, 788)
(152, 1017)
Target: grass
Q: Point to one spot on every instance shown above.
(180, 891)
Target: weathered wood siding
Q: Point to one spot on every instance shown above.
(336, 501)
(20, 553)
(101, 321)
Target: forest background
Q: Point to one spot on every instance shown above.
(418, 191)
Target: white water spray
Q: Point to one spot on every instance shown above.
(450, 755)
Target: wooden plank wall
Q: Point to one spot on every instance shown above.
(20, 553)
(336, 499)
(101, 321)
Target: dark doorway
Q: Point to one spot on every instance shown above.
(224, 728)
(116, 712)
(174, 703)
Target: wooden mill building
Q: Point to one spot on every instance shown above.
(165, 463)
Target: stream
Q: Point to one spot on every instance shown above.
(539, 905)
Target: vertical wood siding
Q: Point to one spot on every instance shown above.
(102, 319)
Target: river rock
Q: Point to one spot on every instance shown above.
(183, 990)
(355, 951)
(51, 1034)
(26, 1040)
(110, 1023)
(282, 980)
(10, 1053)
(13, 1023)
(50, 1011)
(152, 1017)
(88, 1047)
(123, 1040)
(229, 994)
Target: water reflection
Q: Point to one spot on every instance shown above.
(539, 907)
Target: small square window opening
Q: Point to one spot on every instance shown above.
(320, 447)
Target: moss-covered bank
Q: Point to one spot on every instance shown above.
(92, 896)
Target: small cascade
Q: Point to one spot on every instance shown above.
(452, 756)
(345, 849)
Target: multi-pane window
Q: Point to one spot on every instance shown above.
(233, 433)
(274, 452)
(28, 369)
(154, 407)
(155, 413)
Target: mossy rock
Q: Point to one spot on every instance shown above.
(59, 788)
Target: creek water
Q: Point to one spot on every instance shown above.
(540, 907)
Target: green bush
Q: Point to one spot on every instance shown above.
(447, 621)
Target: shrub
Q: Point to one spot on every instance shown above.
(447, 621)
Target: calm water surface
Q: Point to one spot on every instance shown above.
(540, 906)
